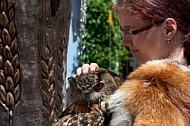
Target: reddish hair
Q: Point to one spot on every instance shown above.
(156, 10)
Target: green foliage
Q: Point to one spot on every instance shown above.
(101, 44)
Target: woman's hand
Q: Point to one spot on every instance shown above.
(86, 68)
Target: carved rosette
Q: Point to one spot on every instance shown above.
(10, 77)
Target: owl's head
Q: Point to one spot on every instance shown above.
(93, 87)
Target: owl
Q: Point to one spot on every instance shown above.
(155, 94)
(89, 99)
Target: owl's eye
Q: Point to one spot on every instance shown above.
(99, 86)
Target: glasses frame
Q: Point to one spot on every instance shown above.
(134, 32)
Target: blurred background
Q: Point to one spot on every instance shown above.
(95, 37)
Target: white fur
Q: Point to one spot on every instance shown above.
(120, 116)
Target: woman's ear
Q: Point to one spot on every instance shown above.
(170, 27)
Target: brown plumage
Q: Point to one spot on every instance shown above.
(155, 94)
(89, 95)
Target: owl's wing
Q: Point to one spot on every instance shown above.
(81, 115)
(81, 119)
(77, 115)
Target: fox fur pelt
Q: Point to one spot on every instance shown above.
(155, 94)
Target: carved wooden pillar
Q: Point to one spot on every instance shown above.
(33, 47)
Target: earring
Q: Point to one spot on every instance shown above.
(168, 40)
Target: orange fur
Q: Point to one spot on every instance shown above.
(155, 94)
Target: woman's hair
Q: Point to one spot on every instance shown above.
(156, 10)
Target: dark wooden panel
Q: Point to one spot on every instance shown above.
(33, 47)
(4, 118)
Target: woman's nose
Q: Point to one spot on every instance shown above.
(126, 41)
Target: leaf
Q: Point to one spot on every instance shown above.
(95, 46)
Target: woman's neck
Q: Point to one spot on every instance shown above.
(178, 54)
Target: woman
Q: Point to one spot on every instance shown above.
(155, 29)
(158, 92)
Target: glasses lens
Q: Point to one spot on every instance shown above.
(128, 33)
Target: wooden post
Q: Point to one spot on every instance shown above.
(33, 47)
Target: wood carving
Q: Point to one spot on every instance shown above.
(47, 84)
(33, 45)
(10, 76)
(51, 60)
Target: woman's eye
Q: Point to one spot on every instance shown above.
(126, 31)
(98, 86)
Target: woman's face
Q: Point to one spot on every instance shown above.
(147, 45)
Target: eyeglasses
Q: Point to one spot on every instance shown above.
(134, 32)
